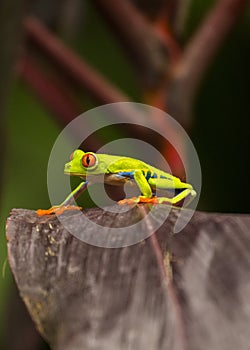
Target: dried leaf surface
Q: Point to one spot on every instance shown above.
(171, 291)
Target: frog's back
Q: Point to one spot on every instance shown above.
(127, 164)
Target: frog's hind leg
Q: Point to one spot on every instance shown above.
(178, 198)
(186, 190)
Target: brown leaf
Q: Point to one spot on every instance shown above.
(170, 291)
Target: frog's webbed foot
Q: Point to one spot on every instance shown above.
(57, 209)
(156, 200)
(132, 200)
(140, 199)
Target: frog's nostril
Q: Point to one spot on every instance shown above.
(67, 167)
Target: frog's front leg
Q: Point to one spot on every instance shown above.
(67, 203)
(142, 183)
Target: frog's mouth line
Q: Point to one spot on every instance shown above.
(74, 174)
(83, 176)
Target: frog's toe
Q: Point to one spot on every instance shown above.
(140, 199)
(151, 200)
(43, 212)
(193, 193)
(129, 201)
(58, 210)
(163, 200)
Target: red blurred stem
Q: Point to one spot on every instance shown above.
(146, 47)
(58, 102)
(53, 96)
(71, 65)
(189, 71)
(209, 37)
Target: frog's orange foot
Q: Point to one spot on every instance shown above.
(57, 210)
(132, 200)
(152, 200)
(140, 199)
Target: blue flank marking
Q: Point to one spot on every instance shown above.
(148, 175)
(119, 176)
(151, 176)
(129, 174)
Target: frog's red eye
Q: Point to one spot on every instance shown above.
(71, 156)
(88, 160)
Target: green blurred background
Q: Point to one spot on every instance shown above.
(220, 130)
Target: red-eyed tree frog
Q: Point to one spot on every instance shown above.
(117, 170)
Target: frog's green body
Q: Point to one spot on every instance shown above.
(117, 170)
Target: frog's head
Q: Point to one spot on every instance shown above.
(83, 163)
